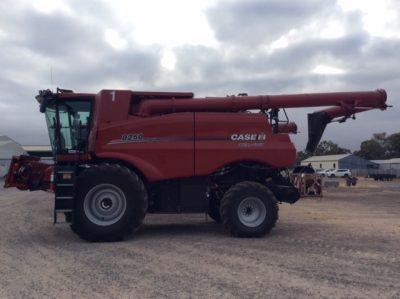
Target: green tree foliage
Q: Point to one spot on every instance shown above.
(393, 145)
(380, 137)
(328, 147)
(302, 156)
(371, 150)
(380, 146)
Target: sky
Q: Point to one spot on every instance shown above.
(209, 47)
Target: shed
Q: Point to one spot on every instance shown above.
(389, 165)
(8, 148)
(347, 161)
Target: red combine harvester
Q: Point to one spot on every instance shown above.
(120, 154)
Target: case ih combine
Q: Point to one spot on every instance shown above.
(120, 154)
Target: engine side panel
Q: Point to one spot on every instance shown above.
(162, 147)
(225, 138)
(181, 145)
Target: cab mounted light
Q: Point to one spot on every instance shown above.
(43, 98)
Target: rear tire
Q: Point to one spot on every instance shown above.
(249, 209)
(110, 203)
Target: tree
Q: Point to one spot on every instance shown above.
(324, 148)
(380, 137)
(328, 147)
(302, 156)
(371, 150)
(393, 145)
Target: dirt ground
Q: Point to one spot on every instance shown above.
(344, 245)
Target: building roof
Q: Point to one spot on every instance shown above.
(9, 148)
(37, 148)
(5, 139)
(387, 161)
(326, 158)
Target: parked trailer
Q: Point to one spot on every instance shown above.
(382, 176)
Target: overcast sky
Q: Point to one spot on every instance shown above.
(208, 47)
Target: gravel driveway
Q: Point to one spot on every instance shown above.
(344, 245)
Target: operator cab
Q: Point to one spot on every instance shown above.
(68, 117)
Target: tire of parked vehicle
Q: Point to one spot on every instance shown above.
(332, 176)
(249, 209)
(110, 203)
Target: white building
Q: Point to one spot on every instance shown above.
(324, 162)
(8, 148)
(347, 161)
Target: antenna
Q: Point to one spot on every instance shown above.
(51, 78)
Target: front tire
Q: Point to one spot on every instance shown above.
(249, 209)
(110, 203)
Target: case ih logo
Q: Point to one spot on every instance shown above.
(248, 137)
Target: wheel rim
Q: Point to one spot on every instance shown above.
(251, 211)
(104, 204)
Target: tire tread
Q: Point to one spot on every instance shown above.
(139, 202)
(227, 206)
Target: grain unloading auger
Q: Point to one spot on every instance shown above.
(120, 154)
(346, 104)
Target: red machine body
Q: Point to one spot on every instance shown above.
(27, 173)
(181, 136)
(120, 154)
(190, 144)
(170, 135)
